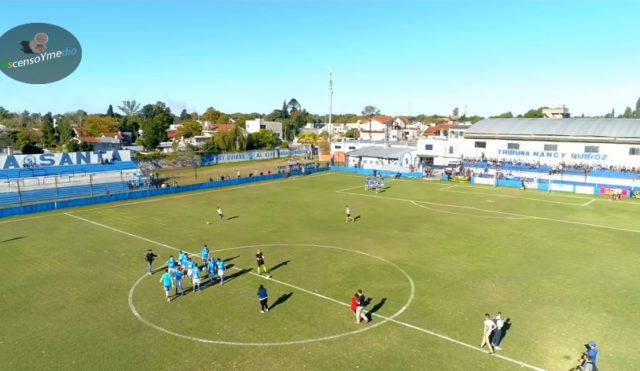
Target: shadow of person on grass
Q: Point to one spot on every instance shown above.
(356, 218)
(232, 217)
(505, 329)
(279, 265)
(375, 308)
(237, 274)
(13, 239)
(231, 258)
(281, 300)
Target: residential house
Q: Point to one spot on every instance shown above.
(104, 142)
(254, 126)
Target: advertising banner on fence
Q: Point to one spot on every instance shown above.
(251, 156)
(61, 159)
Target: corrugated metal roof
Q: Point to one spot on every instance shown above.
(569, 127)
(379, 152)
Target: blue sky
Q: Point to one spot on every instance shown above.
(405, 57)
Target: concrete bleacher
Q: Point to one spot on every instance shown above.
(60, 193)
(65, 170)
(546, 169)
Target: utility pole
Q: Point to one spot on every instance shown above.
(330, 101)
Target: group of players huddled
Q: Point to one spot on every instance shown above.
(186, 268)
(375, 182)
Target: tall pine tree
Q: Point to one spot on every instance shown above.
(110, 111)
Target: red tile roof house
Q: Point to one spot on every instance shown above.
(105, 142)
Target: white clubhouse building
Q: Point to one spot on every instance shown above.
(599, 142)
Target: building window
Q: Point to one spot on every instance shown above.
(634, 151)
(551, 147)
(513, 145)
(428, 147)
(591, 149)
(337, 147)
(481, 144)
(263, 127)
(352, 147)
(450, 150)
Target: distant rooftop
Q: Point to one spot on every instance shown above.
(618, 130)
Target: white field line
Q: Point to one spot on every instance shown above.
(440, 336)
(588, 202)
(470, 215)
(524, 216)
(161, 198)
(418, 181)
(517, 197)
(449, 187)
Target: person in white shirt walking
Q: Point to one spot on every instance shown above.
(497, 334)
(489, 326)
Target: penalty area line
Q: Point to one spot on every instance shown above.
(588, 202)
(390, 319)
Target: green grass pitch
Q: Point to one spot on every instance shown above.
(433, 257)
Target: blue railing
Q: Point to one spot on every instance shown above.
(136, 194)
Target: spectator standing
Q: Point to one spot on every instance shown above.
(497, 333)
(360, 312)
(489, 326)
(150, 256)
(263, 297)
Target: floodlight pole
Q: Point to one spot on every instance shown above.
(330, 101)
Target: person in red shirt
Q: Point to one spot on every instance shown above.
(354, 302)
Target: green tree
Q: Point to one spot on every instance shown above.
(308, 138)
(370, 111)
(352, 133)
(154, 131)
(130, 107)
(211, 115)
(262, 139)
(129, 124)
(506, 115)
(95, 125)
(284, 112)
(75, 146)
(30, 149)
(48, 131)
(110, 111)
(293, 105)
(222, 119)
(65, 132)
(628, 113)
(189, 128)
(534, 113)
(184, 115)
(636, 113)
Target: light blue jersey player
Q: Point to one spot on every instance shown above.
(212, 268)
(171, 264)
(178, 278)
(196, 277)
(190, 265)
(167, 281)
(220, 266)
(205, 254)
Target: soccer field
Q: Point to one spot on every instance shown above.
(432, 257)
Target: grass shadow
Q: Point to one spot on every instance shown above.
(233, 217)
(237, 274)
(279, 265)
(281, 300)
(13, 239)
(231, 258)
(378, 305)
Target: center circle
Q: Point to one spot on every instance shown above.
(281, 343)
